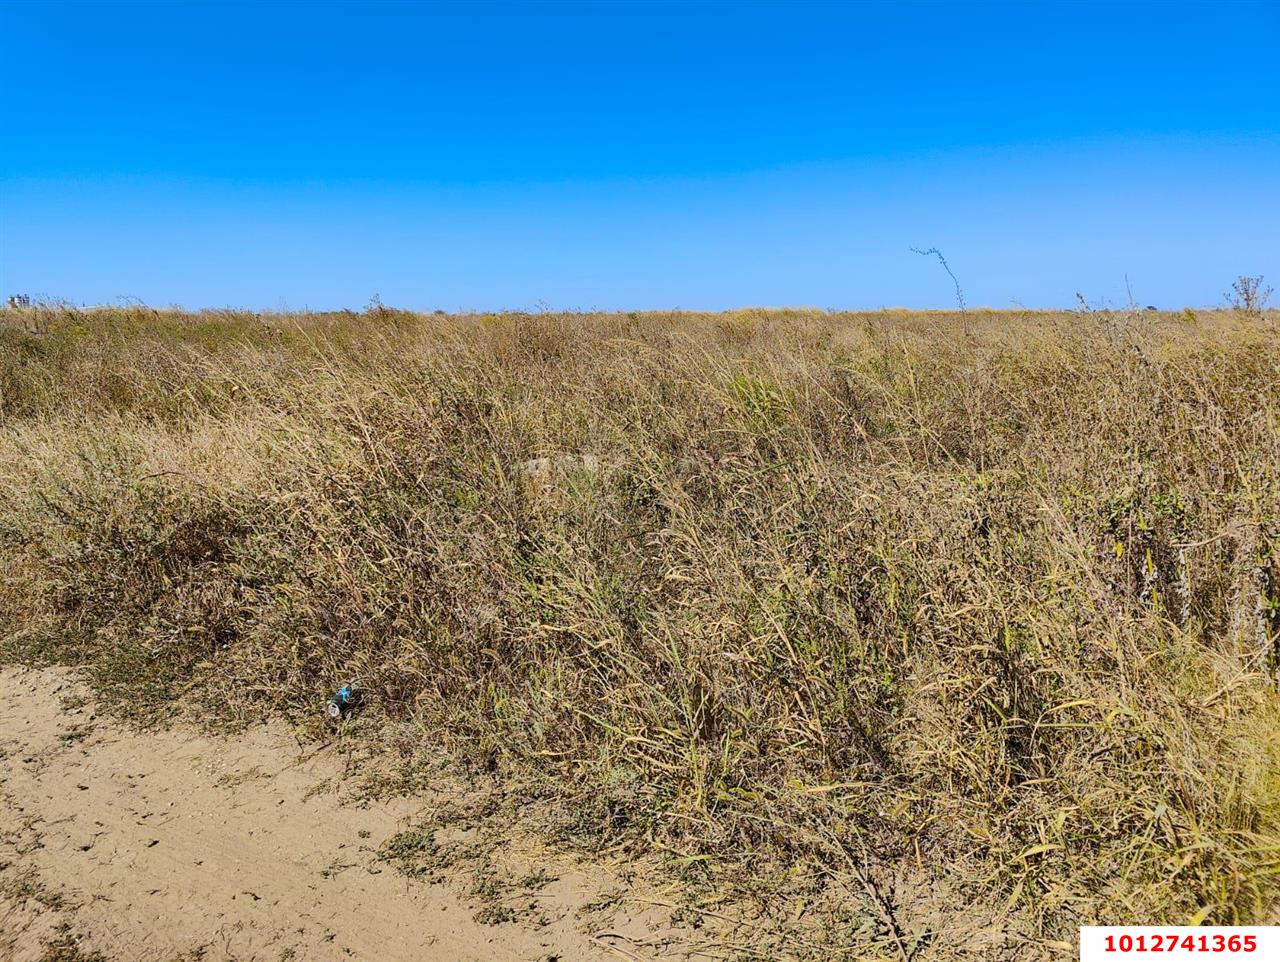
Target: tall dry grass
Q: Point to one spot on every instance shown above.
(977, 625)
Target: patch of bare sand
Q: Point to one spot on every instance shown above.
(178, 845)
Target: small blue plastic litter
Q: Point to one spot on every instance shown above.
(343, 702)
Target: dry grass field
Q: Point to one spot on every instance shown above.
(925, 635)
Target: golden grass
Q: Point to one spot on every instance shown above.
(990, 610)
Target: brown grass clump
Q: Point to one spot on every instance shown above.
(977, 625)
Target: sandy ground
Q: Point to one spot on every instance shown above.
(176, 845)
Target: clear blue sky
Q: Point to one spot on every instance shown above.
(646, 156)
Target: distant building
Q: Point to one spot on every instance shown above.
(20, 300)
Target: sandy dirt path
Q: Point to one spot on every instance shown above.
(175, 845)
